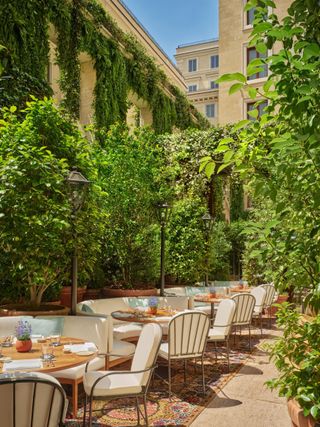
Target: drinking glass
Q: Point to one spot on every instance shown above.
(47, 352)
(55, 340)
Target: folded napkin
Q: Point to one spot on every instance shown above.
(22, 364)
(75, 348)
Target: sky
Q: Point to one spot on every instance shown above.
(175, 22)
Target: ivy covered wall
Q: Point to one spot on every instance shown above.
(120, 62)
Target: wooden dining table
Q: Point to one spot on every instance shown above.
(62, 359)
(142, 316)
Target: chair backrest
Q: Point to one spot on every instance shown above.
(187, 334)
(260, 295)
(224, 316)
(147, 351)
(31, 400)
(271, 291)
(244, 308)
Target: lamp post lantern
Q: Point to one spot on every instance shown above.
(78, 185)
(164, 211)
(208, 224)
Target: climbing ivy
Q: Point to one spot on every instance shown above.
(120, 61)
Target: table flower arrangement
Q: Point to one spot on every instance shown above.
(212, 292)
(23, 335)
(153, 305)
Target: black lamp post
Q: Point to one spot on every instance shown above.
(208, 224)
(164, 211)
(78, 185)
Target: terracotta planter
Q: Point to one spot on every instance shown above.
(47, 309)
(65, 295)
(297, 417)
(280, 300)
(152, 310)
(92, 294)
(23, 346)
(118, 293)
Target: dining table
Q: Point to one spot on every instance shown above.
(162, 315)
(70, 353)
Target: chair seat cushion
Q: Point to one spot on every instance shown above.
(126, 330)
(78, 371)
(216, 335)
(164, 353)
(114, 385)
(122, 348)
(205, 308)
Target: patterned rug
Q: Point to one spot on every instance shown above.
(187, 400)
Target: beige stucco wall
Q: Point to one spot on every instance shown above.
(233, 39)
(204, 95)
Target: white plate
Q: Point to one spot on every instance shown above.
(85, 353)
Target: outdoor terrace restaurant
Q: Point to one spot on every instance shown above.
(156, 360)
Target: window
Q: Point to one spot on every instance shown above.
(193, 88)
(250, 16)
(214, 85)
(214, 61)
(210, 110)
(252, 53)
(192, 65)
(251, 106)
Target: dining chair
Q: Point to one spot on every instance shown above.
(222, 325)
(31, 400)
(260, 295)
(245, 303)
(187, 339)
(270, 295)
(129, 383)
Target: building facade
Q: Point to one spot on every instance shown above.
(199, 65)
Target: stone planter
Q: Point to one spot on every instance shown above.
(297, 417)
(120, 293)
(25, 310)
(65, 295)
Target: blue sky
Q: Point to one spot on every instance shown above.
(174, 22)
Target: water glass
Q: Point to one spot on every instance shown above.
(47, 352)
(55, 340)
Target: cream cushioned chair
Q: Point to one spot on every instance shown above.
(244, 311)
(260, 295)
(187, 339)
(31, 400)
(270, 297)
(222, 324)
(90, 329)
(133, 383)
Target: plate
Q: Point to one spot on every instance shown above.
(85, 353)
(5, 359)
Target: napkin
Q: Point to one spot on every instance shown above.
(75, 348)
(22, 364)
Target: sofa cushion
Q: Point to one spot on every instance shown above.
(122, 349)
(78, 371)
(9, 323)
(126, 330)
(45, 326)
(115, 384)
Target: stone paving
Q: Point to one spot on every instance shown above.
(245, 401)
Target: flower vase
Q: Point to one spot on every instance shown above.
(152, 310)
(23, 346)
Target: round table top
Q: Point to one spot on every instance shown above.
(62, 359)
(238, 290)
(207, 298)
(139, 316)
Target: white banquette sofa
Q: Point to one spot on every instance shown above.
(130, 331)
(91, 329)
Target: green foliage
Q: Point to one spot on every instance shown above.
(35, 213)
(297, 358)
(121, 63)
(278, 155)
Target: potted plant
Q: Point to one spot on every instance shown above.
(153, 305)
(23, 335)
(297, 358)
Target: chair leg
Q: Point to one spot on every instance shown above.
(145, 409)
(203, 381)
(85, 411)
(138, 411)
(75, 398)
(169, 378)
(261, 324)
(228, 353)
(249, 337)
(90, 412)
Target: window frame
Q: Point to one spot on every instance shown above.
(256, 76)
(213, 105)
(196, 63)
(194, 86)
(259, 108)
(214, 56)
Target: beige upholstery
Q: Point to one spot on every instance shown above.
(223, 323)
(32, 396)
(187, 339)
(245, 303)
(260, 295)
(270, 298)
(8, 324)
(110, 384)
